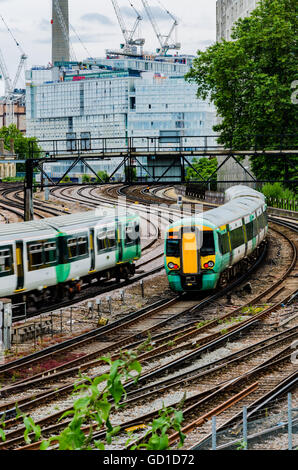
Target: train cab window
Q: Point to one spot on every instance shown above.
(208, 246)
(237, 237)
(6, 262)
(36, 256)
(138, 234)
(130, 235)
(173, 248)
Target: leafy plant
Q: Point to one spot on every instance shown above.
(96, 405)
(95, 400)
(241, 445)
(157, 437)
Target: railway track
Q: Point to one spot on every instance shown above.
(14, 199)
(156, 372)
(226, 395)
(186, 337)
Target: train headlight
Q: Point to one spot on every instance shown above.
(209, 265)
(173, 266)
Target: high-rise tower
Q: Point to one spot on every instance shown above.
(60, 31)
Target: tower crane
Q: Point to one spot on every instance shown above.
(163, 39)
(5, 75)
(10, 86)
(10, 96)
(128, 34)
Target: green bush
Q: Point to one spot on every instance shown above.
(276, 192)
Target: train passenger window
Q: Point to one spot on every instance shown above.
(35, 256)
(237, 237)
(111, 239)
(208, 246)
(50, 253)
(72, 247)
(6, 264)
(101, 241)
(262, 220)
(173, 248)
(249, 231)
(82, 246)
(224, 243)
(255, 227)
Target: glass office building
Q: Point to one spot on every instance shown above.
(114, 98)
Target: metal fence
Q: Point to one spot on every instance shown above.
(275, 429)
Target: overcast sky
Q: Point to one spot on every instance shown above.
(96, 24)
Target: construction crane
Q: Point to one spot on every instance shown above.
(163, 39)
(10, 86)
(5, 75)
(128, 34)
(11, 97)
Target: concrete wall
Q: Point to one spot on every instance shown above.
(228, 12)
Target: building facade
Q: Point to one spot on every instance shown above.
(115, 98)
(14, 113)
(228, 12)
(7, 166)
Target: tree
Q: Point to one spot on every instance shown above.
(250, 81)
(130, 173)
(23, 145)
(203, 169)
(102, 176)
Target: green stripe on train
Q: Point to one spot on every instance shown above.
(62, 270)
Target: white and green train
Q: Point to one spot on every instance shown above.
(208, 250)
(52, 258)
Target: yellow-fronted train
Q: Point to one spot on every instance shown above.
(206, 251)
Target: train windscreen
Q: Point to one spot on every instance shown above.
(208, 246)
(173, 248)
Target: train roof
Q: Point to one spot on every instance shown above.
(50, 226)
(242, 191)
(239, 205)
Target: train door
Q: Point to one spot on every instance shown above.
(131, 240)
(190, 252)
(92, 250)
(20, 265)
(119, 234)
